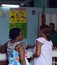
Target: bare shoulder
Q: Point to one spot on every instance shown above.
(38, 43)
(19, 46)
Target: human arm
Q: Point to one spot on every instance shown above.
(3, 48)
(38, 49)
(21, 50)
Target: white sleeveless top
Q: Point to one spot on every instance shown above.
(11, 46)
(46, 53)
(12, 53)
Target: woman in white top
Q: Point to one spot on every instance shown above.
(43, 49)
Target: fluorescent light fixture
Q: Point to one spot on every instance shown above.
(10, 5)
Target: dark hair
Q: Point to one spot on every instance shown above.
(46, 31)
(14, 33)
(52, 24)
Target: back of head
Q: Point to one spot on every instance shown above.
(43, 26)
(52, 24)
(14, 33)
(52, 27)
(45, 30)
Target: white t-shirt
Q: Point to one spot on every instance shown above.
(45, 57)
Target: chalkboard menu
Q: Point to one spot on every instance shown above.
(52, 3)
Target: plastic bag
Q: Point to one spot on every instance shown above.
(31, 62)
(27, 62)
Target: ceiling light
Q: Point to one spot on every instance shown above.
(10, 5)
